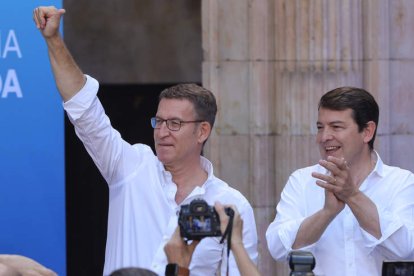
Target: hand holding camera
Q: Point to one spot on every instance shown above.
(178, 251)
(196, 221)
(219, 217)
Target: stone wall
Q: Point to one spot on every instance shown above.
(136, 42)
(269, 61)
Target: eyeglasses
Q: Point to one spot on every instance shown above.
(172, 124)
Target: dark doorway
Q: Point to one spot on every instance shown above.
(130, 108)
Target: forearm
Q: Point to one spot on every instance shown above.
(68, 76)
(365, 211)
(312, 228)
(244, 263)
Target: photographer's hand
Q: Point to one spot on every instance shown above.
(244, 263)
(178, 251)
(24, 265)
(236, 235)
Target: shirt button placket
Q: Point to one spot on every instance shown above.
(349, 242)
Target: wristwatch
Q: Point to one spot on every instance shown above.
(176, 270)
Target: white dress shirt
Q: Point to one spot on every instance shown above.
(345, 248)
(143, 213)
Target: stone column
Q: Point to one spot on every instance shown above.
(239, 67)
(269, 61)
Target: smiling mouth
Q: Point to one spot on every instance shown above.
(331, 148)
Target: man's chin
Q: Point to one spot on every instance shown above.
(325, 155)
(333, 154)
(164, 159)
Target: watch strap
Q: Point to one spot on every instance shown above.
(176, 270)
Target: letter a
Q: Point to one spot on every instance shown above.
(11, 85)
(12, 45)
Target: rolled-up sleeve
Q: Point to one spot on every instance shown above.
(396, 217)
(103, 143)
(290, 213)
(82, 100)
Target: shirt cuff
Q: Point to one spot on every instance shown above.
(288, 234)
(389, 224)
(82, 100)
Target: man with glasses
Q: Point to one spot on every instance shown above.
(147, 190)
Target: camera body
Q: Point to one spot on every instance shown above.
(198, 220)
(301, 263)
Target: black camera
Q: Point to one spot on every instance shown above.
(301, 263)
(198, 220)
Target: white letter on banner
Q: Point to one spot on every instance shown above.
(11, 85)
(12, 45)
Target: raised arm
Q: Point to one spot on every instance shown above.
(68, 76)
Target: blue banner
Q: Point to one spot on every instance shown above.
(32, 195)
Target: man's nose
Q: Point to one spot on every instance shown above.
(163, 129)
(325, 135)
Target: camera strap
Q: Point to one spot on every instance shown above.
(227, 235)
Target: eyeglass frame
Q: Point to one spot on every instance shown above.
(168, 122)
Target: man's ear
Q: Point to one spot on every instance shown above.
(204, 131)
(369, 131)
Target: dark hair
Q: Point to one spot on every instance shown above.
(361, 102)
(203, 100)
(132, 271)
